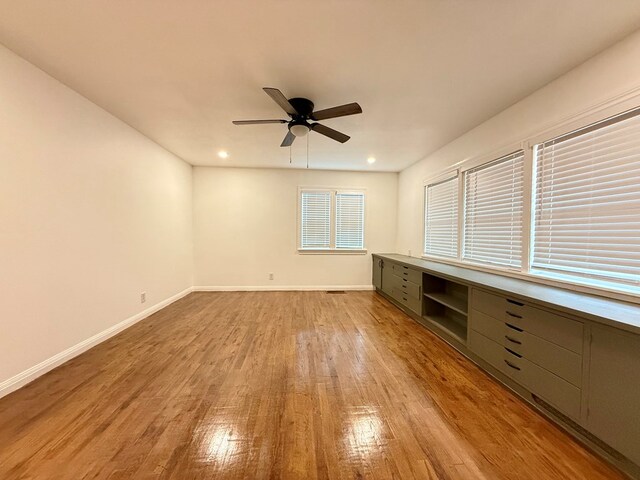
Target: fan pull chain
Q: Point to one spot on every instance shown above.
(308, 150)
(290, 154)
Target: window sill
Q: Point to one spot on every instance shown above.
(331, 251)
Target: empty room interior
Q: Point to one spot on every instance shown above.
(357, 239)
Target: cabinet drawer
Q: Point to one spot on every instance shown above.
(557, 360)
(551, 388)
(550, 326)
(488, 326)
(401, 271)
(412, 303)
(488, 350)
(410, 288)
(488, 303)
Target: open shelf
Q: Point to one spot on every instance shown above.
(445, 305)
(454, 303)
(457, 330)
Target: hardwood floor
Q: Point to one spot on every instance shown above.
(279, 385)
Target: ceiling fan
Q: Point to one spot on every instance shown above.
(301, 111)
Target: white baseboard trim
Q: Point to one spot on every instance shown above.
(281, 288)
(14, 383)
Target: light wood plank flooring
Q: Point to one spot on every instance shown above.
(279, 385)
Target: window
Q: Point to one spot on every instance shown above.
(316, 220)
(350, 220)
(567, 210)
(441, 218)
(587, 205)
(493, 212)
(331, 220)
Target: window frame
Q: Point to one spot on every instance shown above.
(332, 250)
(596, 114)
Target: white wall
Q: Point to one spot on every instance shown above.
(613, 73)
(91, 214)
(245, 227)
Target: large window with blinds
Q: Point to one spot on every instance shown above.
(441, 218)
(587, 205)
(567, 210)
(493, 201)
(331, 220)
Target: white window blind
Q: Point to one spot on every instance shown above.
(315, 220)
(587, 205)
(350, 220)
(441, 218)
(493, 212)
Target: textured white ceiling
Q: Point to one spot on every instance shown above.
(423, 71)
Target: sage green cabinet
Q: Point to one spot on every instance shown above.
(614, 390)
(377, 272)
(388, 277)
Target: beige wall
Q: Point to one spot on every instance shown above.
(614, 72)
(92, 213)
(246, 221)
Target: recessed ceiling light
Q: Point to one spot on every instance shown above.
(223, 154)
(371, 160)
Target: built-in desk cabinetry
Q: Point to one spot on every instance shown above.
(582, 372)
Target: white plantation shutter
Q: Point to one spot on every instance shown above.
(587, 205)
(350, 220)
(493, 212)
(316, 219)
(441, 218)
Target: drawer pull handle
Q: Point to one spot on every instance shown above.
(511, 365)
(514, 315)
(404, 279)
(512, 352)
(513, 340)
(513, 327)
(520, 304)
(404, 298)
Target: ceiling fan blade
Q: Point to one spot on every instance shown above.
(288, 140)
(334, 112)
(330, 132)
(256, 122)
(281, 100)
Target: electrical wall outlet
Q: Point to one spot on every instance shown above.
(143, 297)
(270, 276)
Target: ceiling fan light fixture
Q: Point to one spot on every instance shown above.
(299, 130)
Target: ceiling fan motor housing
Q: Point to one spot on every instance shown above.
(303, 106)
